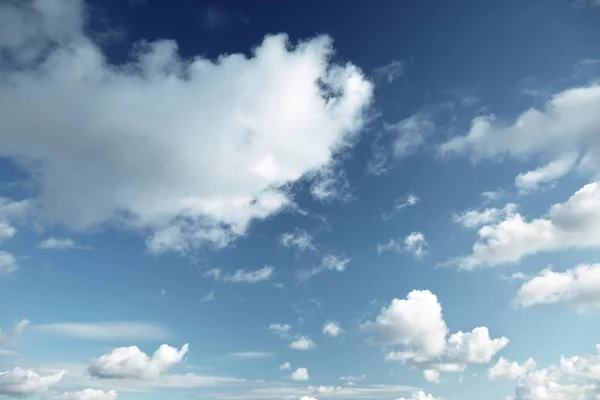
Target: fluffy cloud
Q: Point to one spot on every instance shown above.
(285, 365)
(204, 147)
(300, 239)
(8, 264)
(21, 382)
(332, 328)
(583, 367)
(431, 375)
(108, 330)
(578, 287)
(546, 385)
(6, 230)
(417, 324)
(420, 395)
(302, 343)
(281, 330)
(505, 369)
(564, 132)
(89, 394)
(8, 336)
(414, 243)
(301, 374)
(131, 362)
(571, 224)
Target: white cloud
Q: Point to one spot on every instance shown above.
(505, 369)
(584, 367)
(8, 264)
(420, 395)
(122, 330)
(332, 328)
(60, 244)
(417, 324)
(242, 276)
(240, 128)
(285, 365)
(299, 239)
(546, 385)
(400, 204)
(548, 173)
(578, 287)
(566, 129)
(476, 218)
(301, 374)
(21, 382)
(571, 224)
(131, 362)
(410, 134)
(89, 394)
(6, 230)
(303, 343)
(391, 71)
(251, 355)
(431, 375)
(329, 262)
(351, 380)
(307, 398)
(414, 243)
(8, 336)
(281, 330)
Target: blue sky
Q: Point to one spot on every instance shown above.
(299, 200)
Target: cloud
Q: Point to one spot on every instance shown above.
(8, 336)
(131, 362)
(476, 218)
(21, 382)
(88, 394)
(351, 380)
(420, 395)
(241, 128)
(417, 324)
(6, 230)
(563, 135)
(545, 384)
(281, 330)
(301, 374)
(110, 331)
(210, 296)
(242, 276)
(303, 343)
(285, 365)
(568, 225)
(251, 355)
(8, 264)
(407, 138)
(578, 287)
(61, 244)
(505, 369)
(329, 262)
(400, 204)
(332, 328)
(300, 239)
(391, 71)
(431, 375)
(414, 243)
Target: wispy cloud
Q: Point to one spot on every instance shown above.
(400, 204)
(242, 275)
(392, 71)
(53, 243)
(107, 330)
(251, 355)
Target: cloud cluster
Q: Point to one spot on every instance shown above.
(571, 224)
(190, 151)
(564, 134)
(578, 287)
(21, 382)
(131, 362)
(417, 324)
(414, 243)
(505, 369)
(297, 341)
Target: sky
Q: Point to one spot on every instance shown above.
(299, 200)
